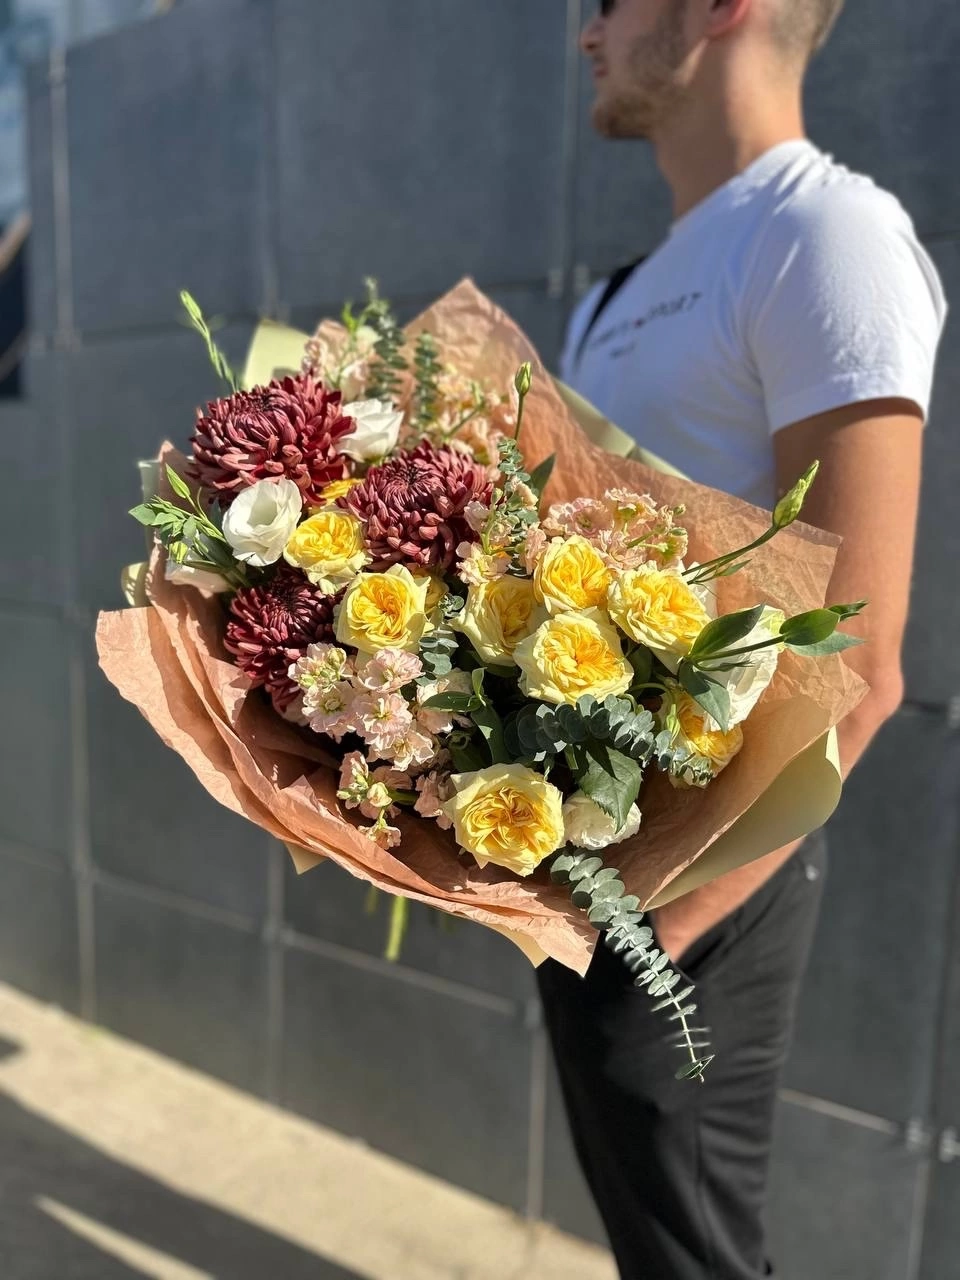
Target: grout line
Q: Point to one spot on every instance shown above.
(918, 1218)
(838, 1112)
(79, 809)
(275, 955)
(60, 162)
(570, 147)
(175, 901)
(268, 219)
(401, 973)
(939, 1060)
(537, 1141)
(17, 851)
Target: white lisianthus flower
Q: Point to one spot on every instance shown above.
(586, 826)
(184, 575)
(261, 521)
(376, 432)
(747, 684)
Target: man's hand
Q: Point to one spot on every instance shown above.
(868, 492)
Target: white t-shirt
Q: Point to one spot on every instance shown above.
(795, 288)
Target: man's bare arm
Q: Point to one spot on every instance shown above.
(868, 492)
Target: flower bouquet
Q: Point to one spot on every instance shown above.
(404, 614)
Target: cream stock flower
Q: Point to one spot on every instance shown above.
(586, 826)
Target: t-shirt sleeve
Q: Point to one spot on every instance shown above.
(842, 305)
(575, 331)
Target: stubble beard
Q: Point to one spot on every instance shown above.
(655, 88)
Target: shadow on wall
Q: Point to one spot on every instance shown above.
(66, 1209)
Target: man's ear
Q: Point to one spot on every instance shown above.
(725, 15)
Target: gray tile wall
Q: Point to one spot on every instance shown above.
(217, 149)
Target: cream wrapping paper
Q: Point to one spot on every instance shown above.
(167, 659)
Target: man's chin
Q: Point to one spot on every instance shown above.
(610, 121)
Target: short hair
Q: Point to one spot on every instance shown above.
(804, 26)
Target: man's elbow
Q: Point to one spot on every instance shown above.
(884, 699)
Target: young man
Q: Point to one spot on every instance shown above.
(790, 315)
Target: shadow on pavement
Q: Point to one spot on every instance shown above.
(40, 1163)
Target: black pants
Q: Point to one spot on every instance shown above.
(679, 1169)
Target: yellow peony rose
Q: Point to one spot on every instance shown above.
(436, 588)
(572, 655)
(498, 615)
(658, 609)
(572, 575)
(507, 815)
(338, 489)
(693, 730)
(384, 611)
(328, 548)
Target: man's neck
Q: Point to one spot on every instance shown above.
(705, 149)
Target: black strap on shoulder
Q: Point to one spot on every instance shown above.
(612, 288)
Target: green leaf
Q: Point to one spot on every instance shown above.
(178, 486)
(491, 727)
(833, 644)
(476, 679)
(147, 516)
(469, 758)
(642, 662)
(723, 633)
(459, 702)
(844, 611)
(540, 476)
(611, 779)
(708, 694)
(809, 628)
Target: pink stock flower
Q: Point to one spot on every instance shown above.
(329, 710)
(389, 670)
(412, 749)
(354, 780)
(383, 834)
(534, 545)
(434, 788)
(476, 566)
(381, 719)
(440, 722)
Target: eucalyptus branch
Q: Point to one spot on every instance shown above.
(600, 892)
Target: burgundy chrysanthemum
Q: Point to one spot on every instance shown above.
(413, 505)
(271, 626)
(291, 428)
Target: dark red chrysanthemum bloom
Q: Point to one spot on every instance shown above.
(272, 626)
(291, 428)
(413, 505)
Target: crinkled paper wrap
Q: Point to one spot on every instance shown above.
(168, 660)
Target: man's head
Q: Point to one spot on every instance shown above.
(649, 56)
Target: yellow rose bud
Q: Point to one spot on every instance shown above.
(498, 615)
(383, 611)
(436, 588)
(658, 609)
(572, 655)
(338, 489)
(507, 815)
(692, 731)
(572, 575)
(328, 548)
